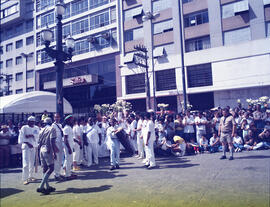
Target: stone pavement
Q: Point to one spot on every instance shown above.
(201, 180)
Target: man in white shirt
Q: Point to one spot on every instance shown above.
(140, 137)
(133, 134)
(188, 122)
(200, 122)
(149, 139)
(77, 136)
(59, 144)
(68, 146)
(28, 138)
(93, 140)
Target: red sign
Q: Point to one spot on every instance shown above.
(78, 80)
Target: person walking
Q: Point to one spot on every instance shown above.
(48, 149)
(227, 128)
(28, 138)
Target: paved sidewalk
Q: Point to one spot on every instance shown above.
(201, 180)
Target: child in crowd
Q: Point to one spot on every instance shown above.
(237, 143)
(204, 144)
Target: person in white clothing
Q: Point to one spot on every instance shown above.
(93, 140)
(200, 122)
(188, 122)
(28, 138)
(68, 146)
(133, 134)
(59, 144)
(103, 151)
(140, 137)
(149, 139)
(77, 136)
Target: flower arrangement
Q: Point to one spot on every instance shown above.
(107, 109)
(262, 101)
(189, 106)
(163, 106)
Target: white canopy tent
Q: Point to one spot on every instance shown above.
(32, 102)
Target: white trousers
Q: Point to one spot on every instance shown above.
(149, 153)
(92, 150)
(140, 147)
(68, 161)
(76, 153)
(28, 161)
(59, 159)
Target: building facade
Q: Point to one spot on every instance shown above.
(17, 47)
(90, 77)
(225, 44)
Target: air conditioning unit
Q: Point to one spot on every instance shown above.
(106, 36)
(91, 39)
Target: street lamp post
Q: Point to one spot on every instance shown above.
(59, 55)
(26, 61)
(142, 55)
(7, 79)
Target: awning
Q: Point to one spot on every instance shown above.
(129, 58)
(240, 7)
(159, 52)
(32, 102)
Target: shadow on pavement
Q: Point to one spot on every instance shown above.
(5, 192)
(11, 171)
(253, 157)
(98, 175)
(84, 190)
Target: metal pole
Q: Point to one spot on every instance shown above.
(148, 103)
(182, 56)
(26, 60)
(59, 69)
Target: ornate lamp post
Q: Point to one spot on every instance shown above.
(59, 55)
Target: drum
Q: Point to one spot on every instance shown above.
(123, 138)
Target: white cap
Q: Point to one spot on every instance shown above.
(31, 118)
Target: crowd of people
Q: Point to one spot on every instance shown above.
(80, 142)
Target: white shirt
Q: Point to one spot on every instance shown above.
(77, 132)
(200, 120)
(150, 127)
(139, 126)
(110, 133)
(56, 126)
(69, 132)
(92, 134)
(132, 126)
(213, 140)
(237, 140)
(144, 132)
(203, 142)
(188, 122)
(27, 130)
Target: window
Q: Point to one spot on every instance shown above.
(9, 63)
(18, 60)
(199, 75)
(135, 83)
(29, 7)
(19, 76)
(67, 12)
(66, 30)
(1, 65)
(29, 25)
(30, 74)
(46, 19)
(113, 14)
(19, 44)
(197, 44)
(164, 26)
(30, 57)
(80, 26)
(237, 36)
(165, 80)
(18, 91)
(30, 40)
(97, 3)
(30, 89)
(1, 50)
(134, 34)
(9, 47)
(100, 43)
(227, 10)
(196, 19)
(161, 5)
(267, 24)
(9, 11)
(99, 20)
(46, 3)
(133, 13)
(42, 57)
(235, 8)
(9, 32)
(81, 47)
(79, 7)
(19, 28)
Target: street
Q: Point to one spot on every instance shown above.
(201, 180)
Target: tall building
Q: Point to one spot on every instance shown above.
(90, 77)
(17, 47)
(225, 44)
